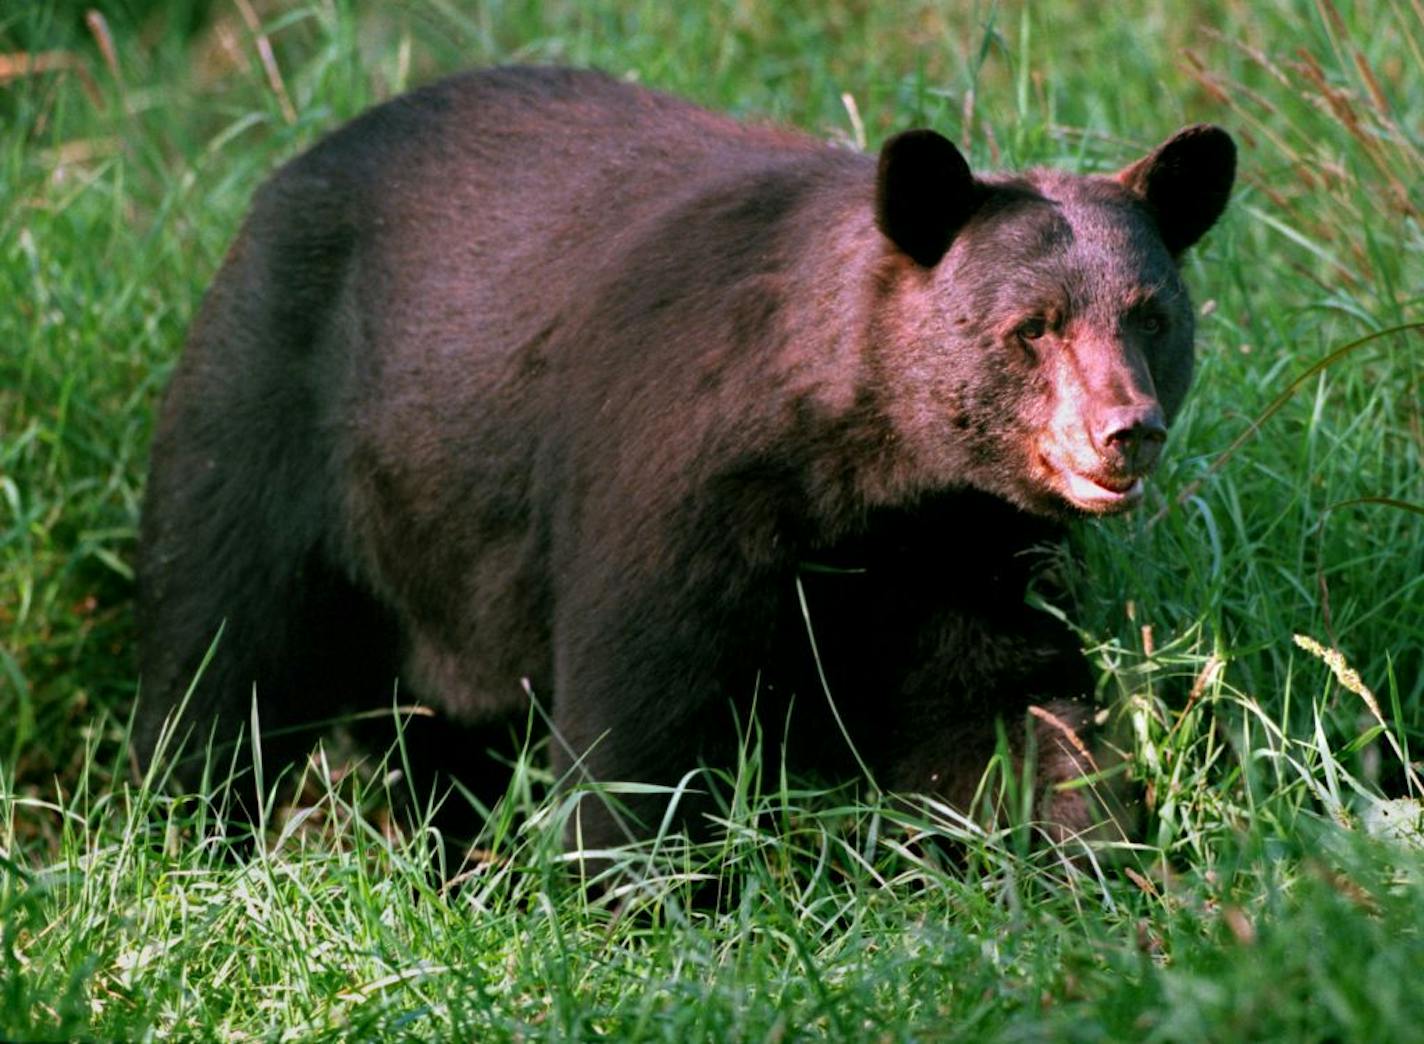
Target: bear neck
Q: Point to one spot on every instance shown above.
(856, 475)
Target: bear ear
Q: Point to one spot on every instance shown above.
(1186, 181)
(923, 194)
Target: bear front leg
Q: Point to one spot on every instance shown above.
(613, 727)
(951, 761)
(937, 686)
(644, 688)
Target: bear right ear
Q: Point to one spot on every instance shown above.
(1186, 181)
(924, 193)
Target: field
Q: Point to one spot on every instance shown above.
(1257, 628)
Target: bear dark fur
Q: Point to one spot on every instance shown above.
(533, 377)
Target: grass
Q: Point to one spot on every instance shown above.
(1275, 891)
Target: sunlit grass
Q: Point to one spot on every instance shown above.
(1272, 887)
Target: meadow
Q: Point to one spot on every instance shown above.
(1257, 628)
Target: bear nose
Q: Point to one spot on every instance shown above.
(1130, 437)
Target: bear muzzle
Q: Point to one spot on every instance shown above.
(1129, 438)
(1100, 468)
(1100, 495)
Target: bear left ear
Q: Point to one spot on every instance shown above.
(1186, 181)
(924, 193)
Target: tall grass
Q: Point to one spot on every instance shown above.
(1258, 630)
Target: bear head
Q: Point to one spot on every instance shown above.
(1038, 340)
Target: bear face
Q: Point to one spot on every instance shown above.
(1050, 337)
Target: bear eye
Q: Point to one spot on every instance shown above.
(1032, 329)
(1150, 321)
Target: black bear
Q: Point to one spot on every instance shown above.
(533, 383)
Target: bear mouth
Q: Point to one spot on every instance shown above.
(1101, 494)
(1094, 492)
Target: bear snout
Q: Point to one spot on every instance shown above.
(1129, 438)
(1100, 446)
(1098, 464)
